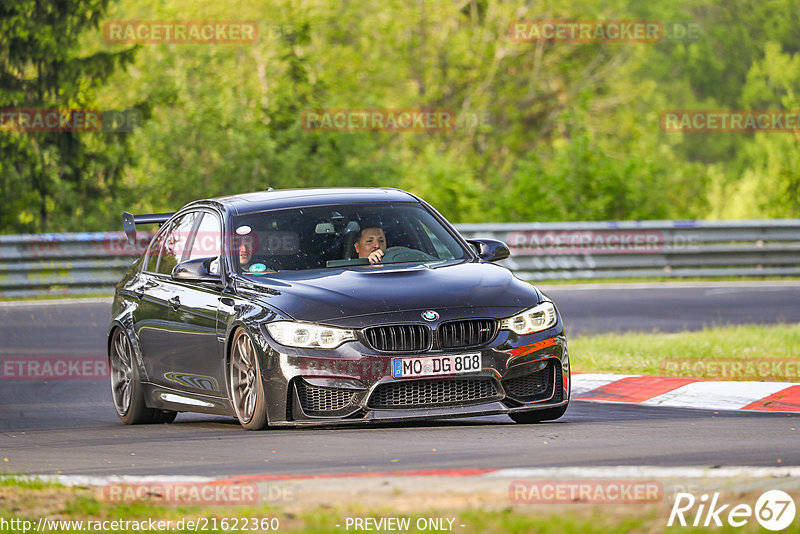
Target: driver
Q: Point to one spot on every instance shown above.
(246, 247)
(371, 243)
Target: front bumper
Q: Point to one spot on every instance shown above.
(354, 385)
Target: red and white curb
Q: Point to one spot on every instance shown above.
(687, 393)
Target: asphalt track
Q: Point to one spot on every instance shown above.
(70, 427)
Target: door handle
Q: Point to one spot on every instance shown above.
(175, 303)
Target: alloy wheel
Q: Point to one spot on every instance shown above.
(121, 372)
(244, 376)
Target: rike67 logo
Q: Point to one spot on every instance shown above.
(774, 510)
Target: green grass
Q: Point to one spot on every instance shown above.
(29, 503)
(27, 483)
(675, 354)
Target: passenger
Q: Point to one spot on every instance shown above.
(370, 243)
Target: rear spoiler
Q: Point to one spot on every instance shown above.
(129, 222)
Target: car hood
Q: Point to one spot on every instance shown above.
(332, 295)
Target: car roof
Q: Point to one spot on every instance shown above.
(291, 198)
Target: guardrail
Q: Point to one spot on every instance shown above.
(85, 263)
(586, 250)
(68, 264)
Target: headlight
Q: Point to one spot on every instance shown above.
(306, 335)
(540, 317)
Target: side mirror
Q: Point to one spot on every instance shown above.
(490, 249)
(196, 270)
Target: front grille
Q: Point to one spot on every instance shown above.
(417, 337)
(399, 338)
(537, 385)
(465, 334)
(315, 399)
(427, 393)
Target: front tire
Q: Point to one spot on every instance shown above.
(538, 416)
(126, 388)
(246, 386)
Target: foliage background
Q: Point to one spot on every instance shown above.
(566, 131)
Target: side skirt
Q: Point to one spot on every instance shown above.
(180, 401)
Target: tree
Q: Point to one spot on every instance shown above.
(769, 185)
(50, 179)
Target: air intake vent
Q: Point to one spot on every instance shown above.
(537, 385)
(399, 338)
(428, 393)
(319, 400)
(466, 334)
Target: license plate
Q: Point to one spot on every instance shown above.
(450, 364)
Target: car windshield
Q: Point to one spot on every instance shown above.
(340, 236)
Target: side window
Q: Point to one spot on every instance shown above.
(155, 249)
(207, 240)
(175, 242)
(441, 250)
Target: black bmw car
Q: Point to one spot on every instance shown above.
(320, 306)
